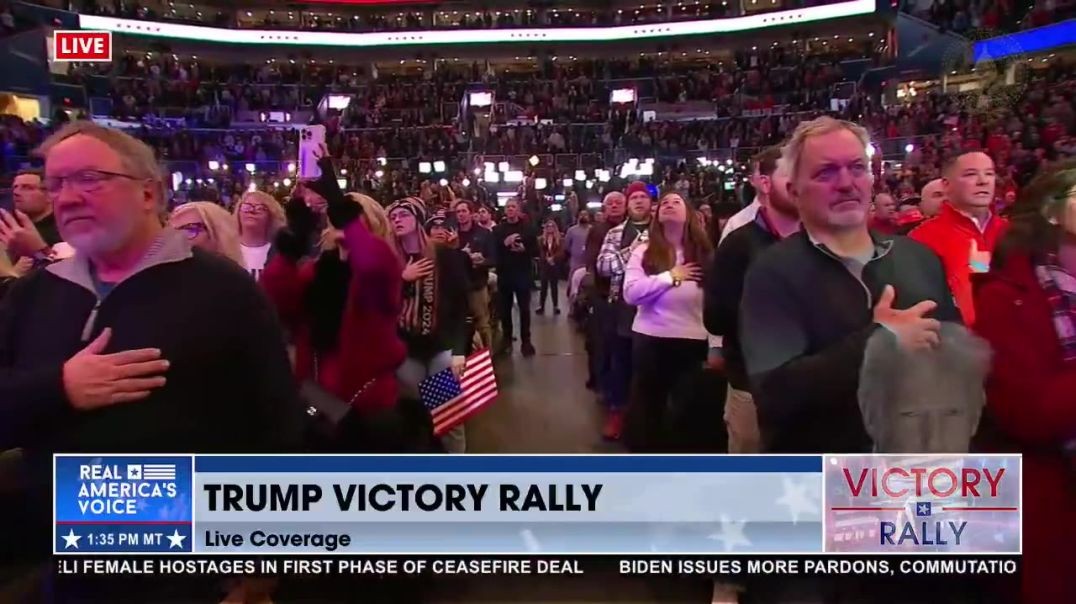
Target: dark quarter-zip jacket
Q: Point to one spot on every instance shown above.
(805, 319)
(229, 386)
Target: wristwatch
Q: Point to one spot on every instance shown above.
(677, 281)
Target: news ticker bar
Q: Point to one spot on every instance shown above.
(536, 504)
(539, 35)
(462, 566)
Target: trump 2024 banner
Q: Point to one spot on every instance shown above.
(535, 504)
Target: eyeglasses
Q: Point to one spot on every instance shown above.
(193, 229)
(83, 181)
(253, 208)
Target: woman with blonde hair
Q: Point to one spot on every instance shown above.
(663, 280)
(208, 226)
(551, 249)
(258, 216)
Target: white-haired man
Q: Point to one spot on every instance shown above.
(138, 343)
(812, 301)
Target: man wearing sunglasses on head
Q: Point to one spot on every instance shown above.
(140, 343)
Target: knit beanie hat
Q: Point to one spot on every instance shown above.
(439, 219)
(412, 204)
(636, 186)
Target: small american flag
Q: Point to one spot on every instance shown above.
(451, 401)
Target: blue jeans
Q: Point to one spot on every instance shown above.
(617, 383)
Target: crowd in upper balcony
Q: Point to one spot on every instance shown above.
(987, 18)
(378, 19)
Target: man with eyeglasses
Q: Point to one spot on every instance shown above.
(138, 343)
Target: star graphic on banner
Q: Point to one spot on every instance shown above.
(530, 541)
(731, 534)
(175, 539)
(71, 539)
(796, 499)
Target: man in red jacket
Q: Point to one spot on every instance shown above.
(963, 235)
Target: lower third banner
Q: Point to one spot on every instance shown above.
(519, 504)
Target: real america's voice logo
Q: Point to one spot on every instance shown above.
(922, 504)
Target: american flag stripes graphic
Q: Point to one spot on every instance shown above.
(451, 401)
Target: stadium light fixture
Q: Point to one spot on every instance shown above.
(567, 182)
(580, 175)
(513, 176)
(492, 177)
(534, 160)
(590, 184)
(424, 167)
(503, 167)
(214, 165)
(438, 166)
(250, 168)
(490, 166)
(540, 184)
(604, 176)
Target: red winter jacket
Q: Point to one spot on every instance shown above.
(950, 234)
(1031, 399)
(369, 347)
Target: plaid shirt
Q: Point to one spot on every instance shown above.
(612, 260)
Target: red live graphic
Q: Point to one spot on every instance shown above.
(82, 46)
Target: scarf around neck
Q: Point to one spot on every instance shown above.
(1060, 288)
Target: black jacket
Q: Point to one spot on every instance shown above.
(229, 388)
(480, 240)
(512, 265)
(723, 289)
(453, 287)
(805, 321)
